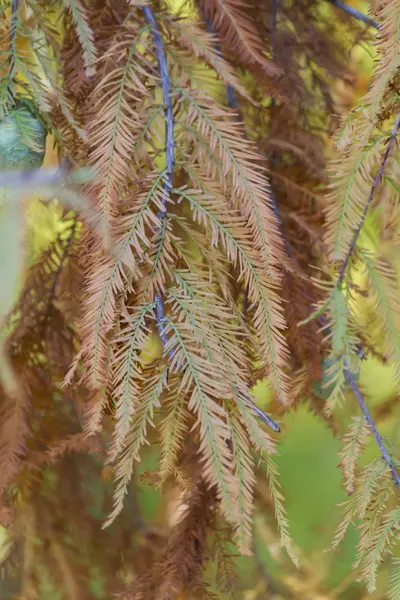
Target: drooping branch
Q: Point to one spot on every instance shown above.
(357, 393)
(232, 102)
(359, 397)
(169, 149)
(360, 351)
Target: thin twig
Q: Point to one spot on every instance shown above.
(369, 200)
(169, 149)
(267, 420)
(355, 13)
(377, 436)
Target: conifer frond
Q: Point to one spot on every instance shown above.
(220, 343)
(381, 543)
(382, 280)
(234, 23)
(162, 258)
(148, 399)
(110, 277)
(354, 442)
(223, 553)
(127, 369)
(99, 402)
(173, 428)
(352, 174)
(116, 125)
(374, 476)
(352, 181)
(201, 380)
(238, 169)
(243, 468)
(202, 44)
(394, 585)
(379, 95)
(267, 320)
(343, 341)
(85, 33)
(280, 512)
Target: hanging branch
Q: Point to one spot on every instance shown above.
(355, 13)
(169, 150)
(368, 203)
(356, 390)
(348, 374)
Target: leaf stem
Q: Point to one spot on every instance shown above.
(377, 436)
(355, 13)
(169, 149)
(230, 92)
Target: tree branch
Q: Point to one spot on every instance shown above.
(377, 436)
(360, 351)
(232, 102)
(169, 149)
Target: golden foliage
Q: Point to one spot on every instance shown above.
(220, 233)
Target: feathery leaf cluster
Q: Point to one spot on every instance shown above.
(214, 225)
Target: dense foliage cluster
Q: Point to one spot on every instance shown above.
(209, 235)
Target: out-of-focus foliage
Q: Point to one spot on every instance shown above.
(234, 147)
